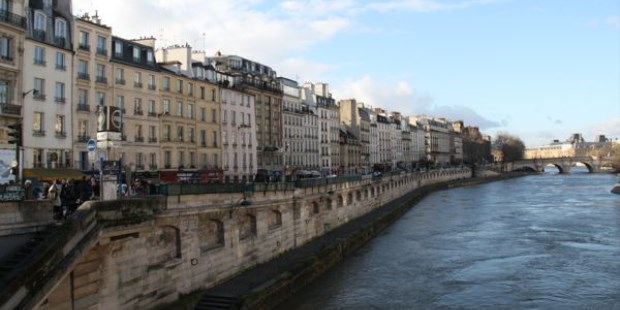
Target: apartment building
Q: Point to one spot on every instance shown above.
(293, 120)
(319, 100)
(47, 81)
(12, 33)
(91, 87)
(133, 77)
(259, 81)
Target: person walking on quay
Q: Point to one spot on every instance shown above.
(83, 189)
(54, 194)
(28, 190)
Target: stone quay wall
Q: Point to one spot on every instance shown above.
(149, 255)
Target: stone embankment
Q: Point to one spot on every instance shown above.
(267, 285)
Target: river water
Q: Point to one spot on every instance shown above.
(547, 241)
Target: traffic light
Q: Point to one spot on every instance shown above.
(15, 134)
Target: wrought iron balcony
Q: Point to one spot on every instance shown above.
(13, 19)
(83, 138)
(83, 107)
(60, 134)
(38, 34)
(139, 139)
(84, 46)
(152, 140)
(153, 114)
(152, 87)
(120, 81)
(10, 109)
(102, 51)
(59, 99)
(83, 76)
(137, 84)
(101, 79)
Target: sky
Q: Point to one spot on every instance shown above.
(536, 69)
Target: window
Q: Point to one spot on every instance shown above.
(213, 115)
(5, 48)
(149, 57)
(190, 89)
(39, 87)
(167, 159)
(84, 38)
(59, 126)
(101, 78)
(4, 5)
(151, 82)
(39, 55)
(203, 114)
(137, 79)
(60, 61)
(137, 102)
(203, 138)
(181, 159)
(60, 31)
(83, 69)
(166, 83)
(152, 134)
(180, 108)
(101, 45)
(60, 92)
(118, 49)
(37, 122)
(166, 106)
(180, 86)
(136, 53)
(83, 129)
(4, 92)
(213, 95)
(166, 133)
(82, 96)
(120, 76)
(120, 102)
(202, 92)
(151, 106)
(100, 98)
(192, 135)
(39, 22)
(214, 140)
(190, 111)
(153, 160)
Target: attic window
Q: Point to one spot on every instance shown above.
(136, 53)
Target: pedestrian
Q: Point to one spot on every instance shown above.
(28, 193)
(53, 194)
(84, 190)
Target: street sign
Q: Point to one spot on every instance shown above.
(91, 145)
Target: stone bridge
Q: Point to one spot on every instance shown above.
(564, 164)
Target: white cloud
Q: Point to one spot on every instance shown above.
(428, 5)
(610, 128)
(402, 97)
(613, 21)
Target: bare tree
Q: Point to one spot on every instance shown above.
(511, 146)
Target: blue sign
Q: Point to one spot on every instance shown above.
(91, 145)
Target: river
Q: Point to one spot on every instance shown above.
(546, 241)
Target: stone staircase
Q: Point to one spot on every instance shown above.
(213, 302)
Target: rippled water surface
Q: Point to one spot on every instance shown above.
(539, 242)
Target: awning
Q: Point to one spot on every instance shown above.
(51, 174)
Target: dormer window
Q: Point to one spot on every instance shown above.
(118, 49)
(4, 5)
(60, 29)
(149, 57)
(136, 53)
(39, 21)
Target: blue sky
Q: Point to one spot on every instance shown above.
(538, 69)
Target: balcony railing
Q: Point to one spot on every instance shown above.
(40, 62)
(6, 58)
(83, 138)
(139, 139)
(38, 133)
(60, 41)
(152, 140)
(152, 87)
(83, 76)
(62, 67)
(153, 114)
(13, 19)
(39, 96)
(137, 84)
(102, 79)
(10, 109)
(84, 46)
(59, 99)
(83, 107)
(138, 112)
(102, 51)
(38, 34)
(60, 134)
(120, 81)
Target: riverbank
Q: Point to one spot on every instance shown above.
(268, 284)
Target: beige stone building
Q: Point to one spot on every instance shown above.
(134, 75)
(259, 81)
(91, 85)
(47, 81)
(12, 32)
